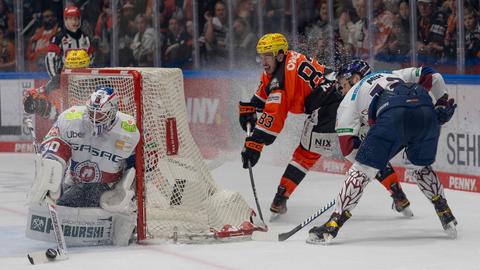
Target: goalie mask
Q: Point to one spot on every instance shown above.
(102, 109)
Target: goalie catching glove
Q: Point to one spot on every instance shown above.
(248, 115)
(251, 151)
(445, 108)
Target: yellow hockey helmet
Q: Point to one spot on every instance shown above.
(76, 58)
(272, 43)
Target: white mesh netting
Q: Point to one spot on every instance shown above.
(181, 197)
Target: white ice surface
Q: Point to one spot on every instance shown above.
(374, 238)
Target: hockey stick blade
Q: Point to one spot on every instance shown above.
(286, 235)
(39, 257)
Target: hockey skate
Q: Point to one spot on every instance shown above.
(445, 214)
(325, 233)
(279, 204)
(400, 202)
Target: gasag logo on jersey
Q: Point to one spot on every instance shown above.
(275, 98)
(96, 152)
(87, 172)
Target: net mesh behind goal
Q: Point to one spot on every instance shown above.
(174, 186)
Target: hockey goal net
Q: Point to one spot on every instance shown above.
(176, 195)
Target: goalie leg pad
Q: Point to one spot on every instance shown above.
(48, 179)
(81, 226)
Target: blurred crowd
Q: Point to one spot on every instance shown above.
(147, 29)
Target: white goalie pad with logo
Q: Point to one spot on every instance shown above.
(81, 226)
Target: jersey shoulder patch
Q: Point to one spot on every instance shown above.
(128, 125)
(73, 113)
(127, 122)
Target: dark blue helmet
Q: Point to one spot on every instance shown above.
(359, 67)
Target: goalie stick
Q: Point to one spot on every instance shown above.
(263, 236)
(50, 254)
(250, 172)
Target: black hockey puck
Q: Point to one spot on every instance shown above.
(51, 253)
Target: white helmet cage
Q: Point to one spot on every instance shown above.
(102, 109)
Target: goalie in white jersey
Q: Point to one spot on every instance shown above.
(399, 110)
(87, 159)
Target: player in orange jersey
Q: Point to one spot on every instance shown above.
(292, 82)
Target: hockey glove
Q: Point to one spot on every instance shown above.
(35, 101)
(445, 108)
(248, 114)
(251, 152)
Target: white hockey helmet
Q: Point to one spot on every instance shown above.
(102, 109)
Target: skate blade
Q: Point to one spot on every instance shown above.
(314, 240)
(451, 230)
(407, 212)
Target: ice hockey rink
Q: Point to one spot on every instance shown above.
(375, 237)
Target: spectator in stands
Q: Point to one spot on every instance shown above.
(126, 34)
(245, 43)
(431, 32)
(382, 20)
(404, 14)
(450, 43)
(7, 53)
(472, 39)
(277, 16)
(353, 26)
(101, 37)
(176, 51)
(397, 46)
(318, 27)
(37, 46)
(246, 10)
(215, 34)
(7, 20)
(143, 42)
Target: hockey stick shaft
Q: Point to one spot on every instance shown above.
(57, 228)
(285, 236)
(252, 182)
